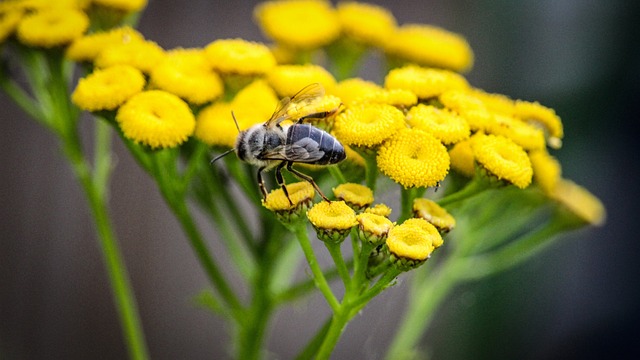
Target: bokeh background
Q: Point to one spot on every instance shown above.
(578, 300)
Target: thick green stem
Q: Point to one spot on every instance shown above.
(336, 255)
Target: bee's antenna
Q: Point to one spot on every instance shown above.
(235, 121)
(222, 155)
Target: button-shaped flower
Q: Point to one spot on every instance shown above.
(332, 220)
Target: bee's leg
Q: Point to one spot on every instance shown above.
(263, 189)
(319, 115)
(280, 180)
(306, 178)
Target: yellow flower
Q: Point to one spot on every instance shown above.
(430, 46)
(242, 57)
(425, 83)
(411, 244)
(373, 228)
(252, 105)
(379, 209)
(301, 195)
(143, 55)
(332, 220)
(53, 27)
(366, 23)
(355, 195)
(368, 124)
(503, 158)
(495, 103)
(122, 5)
(580, 202)
(445, 125)
(353, 156)
(434, 214)
(535, 113)
(186, 73)
(89, 46)
(108, 88)
(301, 24)
(523, 134)
(354, 89)
(157, 119)
(413, 158)
(215, 126)
(424, 225)
(9, 19)
(546, 170)
(462, 158)
(469, 107)
(287, 80)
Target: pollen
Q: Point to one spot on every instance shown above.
(503, 158)
(355, 195)
(368, 124)
(299, 24)
(89, 46)
(143, 55)
(52, 27)
(186, 73)
(425, 83)
(287, 80)
(414, 158)
(237, 56)
(430, 46)
(434, 214)
(156, 119)
(444, 124)
(366, 23)
(107, 89)
(547, 171)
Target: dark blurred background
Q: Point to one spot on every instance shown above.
(578, 300)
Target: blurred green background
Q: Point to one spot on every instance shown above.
(578, 300)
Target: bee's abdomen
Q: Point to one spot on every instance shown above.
(319, 147)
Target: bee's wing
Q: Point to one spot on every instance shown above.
(305, 150)
(287, 106)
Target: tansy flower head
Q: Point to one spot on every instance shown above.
(186, 73)
(379, 209)
(546, 170)
(332, 220)
(430, 46)
(434, 214)
(400, 98)
(368, 124)
(157, 119)
(443, 124)
(241, 57)
(411, 243)
(469, 107)
(495, 103)
(143, 55)
(578, 201)
(122, 5)
(355, 195)
(503, 158)
(462, 158)
(106, 89)
(413, 158)
(425, 83)
(301, 195)
(287, 80)
(89, 46)
(522, 133)
(373, 228)
(215, 126)
(254, 103)
(301, 24)
(535, 113)
(52, 27)
(366, 23)
(354, 89)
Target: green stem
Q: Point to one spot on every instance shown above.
(371, 175)
(336, 255)
(338, 323)
(315, 343)
(406, 205)
(319, 279)
(22, 99)
(474, 187)
(337, 174)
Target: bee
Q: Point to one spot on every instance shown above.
(273, 145)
